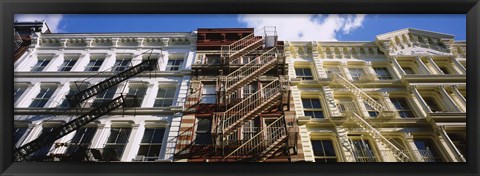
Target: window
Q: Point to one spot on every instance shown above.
(174, 64)
(203, 131)
(324, 151)
(304, 73)
(121, 65)
(94, 65)
(249, 89)
(67, 65)
(362, 151)
(408, 70)
(104, 96)
(18, 91)
(382, 73)
(42, 97)
(74, 89)
(151, 143)
(428, 151)
(18, 134)
(40, 65)
(356, 73)
(116, 143)
(209, 95)
(444, 70)
(42, 152)
(82, 139)
(312, 107)
(432, 104)
(402, 107)
(164, 97)
(249, 130)
(136, 93)
(371, 112)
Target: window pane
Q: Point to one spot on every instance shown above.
(18, 133)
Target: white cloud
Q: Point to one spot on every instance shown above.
(304, 27)
(53, 20)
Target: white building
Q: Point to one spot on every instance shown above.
(401, 97)
(58, 64)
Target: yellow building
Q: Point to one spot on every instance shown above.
(399, 98)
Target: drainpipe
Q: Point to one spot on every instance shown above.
(458, 154)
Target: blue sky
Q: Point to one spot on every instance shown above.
(290, 27)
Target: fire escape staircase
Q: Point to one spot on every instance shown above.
(360, 121)
(24, 151)
(383, 111)
(233, 118)
(75, 100)
(241, 47)
(265, 143)
(375, 134)
(250, 71)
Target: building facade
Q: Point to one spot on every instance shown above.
(399, 98)
(240, 95)
(104, 67)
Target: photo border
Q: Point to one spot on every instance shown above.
(10, 7)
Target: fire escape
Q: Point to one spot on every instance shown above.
(233, 113)
(77, 104)
(348, 112)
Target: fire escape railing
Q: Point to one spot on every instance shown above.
(259, 143)
(247, 72)
(382, 110)
(24, 151)
(75, 100)
(244, 110)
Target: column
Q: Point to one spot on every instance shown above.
(458, 65)
(170, 139)
(55, 63)
(452, 105)
(388, 103)
(434, 65)
(101, 136)
(459, 95)
(82, 62)
(30, 93)
(412, 148)
(417, 97)
(422, 67)
(150, 95)
(58, 95)
(397, 68)
(24, 94)
(108, 62)
(134, 140)
(457, 155)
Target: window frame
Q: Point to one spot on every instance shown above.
(93, 67)
(115, 143)
(303, 76)
(175, 66)
(313, 109)
(157, 98)
(319, 157)
(383, 77)
(67, 65)
(41, 64)
(150, 144)
(407, 102)
(42, 98)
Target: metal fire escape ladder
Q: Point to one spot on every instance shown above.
(399, 154)
(249, 108)
(24, 151)
(248, 72)
(369, 128)
(264, 143)
(382, 110)
(241, 47)
(75, 100)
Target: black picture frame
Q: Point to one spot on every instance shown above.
(10, 7)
